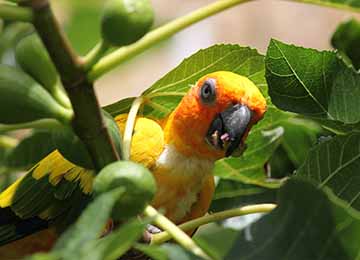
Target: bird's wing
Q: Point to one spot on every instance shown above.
(147, 140)
(56, 190)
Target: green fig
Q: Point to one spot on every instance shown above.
(125, 21)
(139, 184)
(34, 60)
(23, 100)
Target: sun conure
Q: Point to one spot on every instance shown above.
(212, 121)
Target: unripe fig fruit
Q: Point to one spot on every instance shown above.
(34, 60)
(22, 99)
(125, 21)
(139, 187)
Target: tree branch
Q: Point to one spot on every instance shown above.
(88, 123)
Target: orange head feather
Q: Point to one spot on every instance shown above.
(188, 126)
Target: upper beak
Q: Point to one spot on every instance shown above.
(228, 128)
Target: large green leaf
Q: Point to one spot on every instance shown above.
(335, 163)
(232, 194)
(89, 226)
(250, 167)
(165, 94)
(312, 83)
(305, 225)
(347, 40)
(115, 244)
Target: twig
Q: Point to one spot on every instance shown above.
(95, 54)
(192, 224)
(129, 127)
(122, 54)
(176, 233)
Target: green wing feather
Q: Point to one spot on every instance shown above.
(53, 191)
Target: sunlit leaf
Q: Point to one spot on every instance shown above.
(163, 96)
(250, 167)
(313, 83)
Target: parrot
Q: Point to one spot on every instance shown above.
(212, 121)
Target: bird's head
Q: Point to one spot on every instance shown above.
(215, 116)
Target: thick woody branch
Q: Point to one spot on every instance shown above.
(88, 122)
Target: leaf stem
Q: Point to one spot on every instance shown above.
(122, 54)
(176, 233)
(95, 54)
(129, 127)
(15, 13)
(192, 224)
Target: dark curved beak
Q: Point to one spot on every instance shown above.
(228, 128)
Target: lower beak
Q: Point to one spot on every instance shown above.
(228, 129)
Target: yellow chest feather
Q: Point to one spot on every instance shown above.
(179, 179)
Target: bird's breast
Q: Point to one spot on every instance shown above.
(179, 181)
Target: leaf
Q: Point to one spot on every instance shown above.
(301, 227)
(30, 150)
(347, 39)
(89, 225)
(299, 136)
(42, 256)
(119, 107)
(114, 245)
(313, 83)
(232, 194)
(215, 240)
(250, 167)
(153, 251)
(163, 96)
(334, 163)
(347, 226)
(280, 165)
(166, 251)
(344, 4)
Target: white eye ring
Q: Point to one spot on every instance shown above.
(208, 91)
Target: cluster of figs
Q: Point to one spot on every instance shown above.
(31, 90)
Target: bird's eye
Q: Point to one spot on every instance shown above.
(208, 91)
